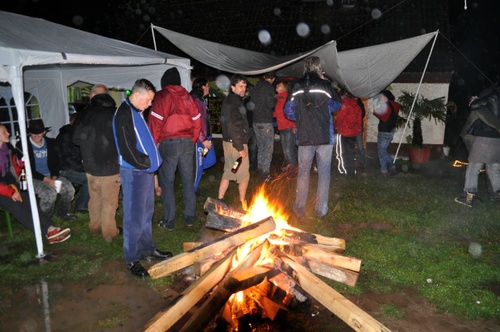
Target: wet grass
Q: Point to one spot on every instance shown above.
(407, 229)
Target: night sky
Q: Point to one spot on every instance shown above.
(473, 38)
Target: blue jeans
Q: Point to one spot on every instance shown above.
(264, 134)
(177, 154)
(472, 173)
(289, 146)
(384, 158)
(138, 209)
(80, 179)
(323, 155)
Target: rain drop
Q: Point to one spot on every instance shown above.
(250, 105)
(277, 11)
(325, 29)
(376, 13)
(264, 37)
(303, 30)
(77, 20)
(222, 82)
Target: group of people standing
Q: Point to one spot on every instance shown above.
(306, 111)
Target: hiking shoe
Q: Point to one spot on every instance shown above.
(57, 232)
(466, 199)
(137, 269)
(169, 226)
(158, 255)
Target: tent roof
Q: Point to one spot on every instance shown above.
(364, 71)
(35, 41)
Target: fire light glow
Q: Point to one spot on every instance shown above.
(262, 208)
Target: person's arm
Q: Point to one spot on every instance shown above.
(126, 140)
(156, 118)
(6, 190)
(237, 123)
(36, 175)
(197, 123)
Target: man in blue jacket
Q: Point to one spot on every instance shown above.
(312, 101)
(139, 159)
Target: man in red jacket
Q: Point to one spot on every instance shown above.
(175, 123)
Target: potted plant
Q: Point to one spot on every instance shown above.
(431, 109)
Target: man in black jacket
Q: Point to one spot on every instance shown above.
(262, 102)
(70, 163)
(312, 101)
(235, 138)
(93, 132)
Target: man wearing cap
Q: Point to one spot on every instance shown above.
(44, 163)
(175, 123)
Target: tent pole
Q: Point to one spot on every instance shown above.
(416, 96)
(153, 33)
(18, 93)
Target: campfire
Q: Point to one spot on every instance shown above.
(256, 272)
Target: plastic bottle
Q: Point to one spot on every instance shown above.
(23, 182)
(236, 165)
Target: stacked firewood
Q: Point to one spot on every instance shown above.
(254, 273)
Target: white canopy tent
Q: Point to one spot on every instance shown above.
(363, 71)
(43, 58)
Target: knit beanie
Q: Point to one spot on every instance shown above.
(171, 77)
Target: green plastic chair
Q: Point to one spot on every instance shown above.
(9, 222)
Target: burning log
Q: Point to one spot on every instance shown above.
(194, 293)
(237, 238)
(221, 294)
(334, 301)
(338, 274)
(345, 262)
(272, 270)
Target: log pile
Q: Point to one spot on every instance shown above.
(256, 273)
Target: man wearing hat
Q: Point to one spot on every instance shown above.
(175, 123)
(44, 163)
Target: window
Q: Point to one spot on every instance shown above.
(8, 111)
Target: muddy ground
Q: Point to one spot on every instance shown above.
(126, 303)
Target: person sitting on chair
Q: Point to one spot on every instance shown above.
(45, 166)
(17, 202)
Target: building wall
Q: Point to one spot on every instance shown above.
(432, 133)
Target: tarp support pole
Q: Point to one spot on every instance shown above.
(153, 33)
(416, 96)
(18, 93)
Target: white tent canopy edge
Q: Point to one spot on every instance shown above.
(43, 58)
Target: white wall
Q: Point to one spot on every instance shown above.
(433, 133)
